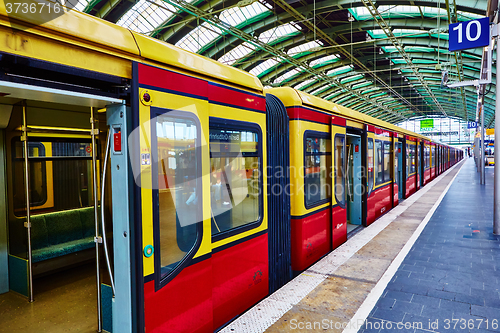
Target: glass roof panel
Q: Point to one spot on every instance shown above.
(320, 89)
(257, 70)
(277, 32)
(352, 78)
(304, 47)
(340, 70)
(206, 33)
(328, 58)
(334, 94)
(199, 37)
(146, 15)
(236, 15)
(79, 4)
(362, 13)
(238, 52)
(379, 33)
(304, 84)
(288, 74)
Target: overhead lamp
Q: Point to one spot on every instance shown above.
(399, 71)
(380, 51)
(368, 37)
(350, 18)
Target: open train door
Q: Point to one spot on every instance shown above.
(339, 212)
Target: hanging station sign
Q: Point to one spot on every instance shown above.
(470, 34)
(427, 123)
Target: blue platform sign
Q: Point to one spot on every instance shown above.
(470, 34)
(471, 124)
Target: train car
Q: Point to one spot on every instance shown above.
(159, 168)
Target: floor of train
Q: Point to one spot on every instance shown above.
(347, 287)
(64, 302)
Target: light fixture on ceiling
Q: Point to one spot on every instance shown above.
(350, 17)
(368, 37)
(399, 71)
(380, 51)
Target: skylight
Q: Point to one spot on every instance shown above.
(287, 75)
(235, 15)
(340, 70)
(263, 67)
(391, 11)
(145, 16)
(304, 47)
(320, 89)
(277, 32)
(237, 53)
(79, 4)
(304, 84)
(199, 37)
(379, 33)
(324, 60)
(206, 33)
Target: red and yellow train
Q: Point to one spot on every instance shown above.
(229, 188)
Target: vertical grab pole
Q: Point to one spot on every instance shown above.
(96, 218)
(483, 178)
(496, 191)
(24, 138)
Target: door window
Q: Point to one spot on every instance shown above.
(339, 168)
(179, 190)
(317, 182)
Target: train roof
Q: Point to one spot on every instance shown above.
(291, 96)
(92, 31)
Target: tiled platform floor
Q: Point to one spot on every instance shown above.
(450, 279)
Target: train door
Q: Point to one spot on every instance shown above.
(339, 214)
(400, 170)
(417, 164)
(354, 187)
(57, 211)
(170, 155)
(394, 171)
(421, 165)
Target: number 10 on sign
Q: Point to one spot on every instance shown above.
(470, 34)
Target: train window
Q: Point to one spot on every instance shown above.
(38, 176)
(370, 165)
(235, 177)
(387, 161)
(60, 175)
(426, 153)
(317, 158)
(179, 189)
(433, 157)
(379, 163)
(412, 158)
(339, 166)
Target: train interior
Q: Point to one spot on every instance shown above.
(55, 130)
(354, 187)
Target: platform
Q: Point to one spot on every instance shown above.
(431, 258)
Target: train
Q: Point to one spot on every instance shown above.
(196, 191)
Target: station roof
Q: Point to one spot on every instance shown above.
(384, 58)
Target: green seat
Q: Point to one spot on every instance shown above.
(60, 233)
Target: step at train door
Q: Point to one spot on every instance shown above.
(339, 161)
